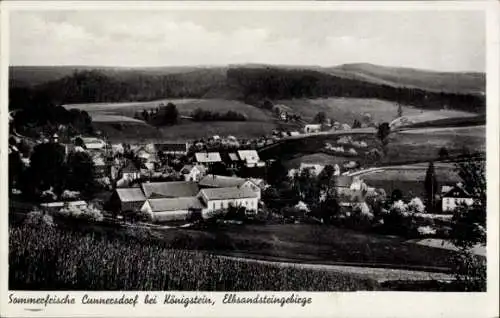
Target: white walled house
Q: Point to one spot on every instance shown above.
(251, 158)
(193, 172)
(222, 198)
(455, 197)
(215, 181)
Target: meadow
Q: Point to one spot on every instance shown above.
(184, 106)
(346, 110)
(410, 180)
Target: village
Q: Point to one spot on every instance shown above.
(181, 183)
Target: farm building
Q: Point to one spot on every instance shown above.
(214, 181)
(312, 128)
(127, 200)
(222, 198)
(251, 158)
(454, 197)
(207, 158)
(171, 209)
(172, 189)
(174, 149)
(193, 172)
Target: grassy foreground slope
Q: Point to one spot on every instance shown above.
(50, 259)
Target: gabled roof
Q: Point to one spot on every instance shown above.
(171, 189)
(249, 155)
(216, 181)
(172, 147)
(457, 192)
(228, 193)
(208, 157)
(233, 156)
(130, 195)
(187, 168)
(175, 204)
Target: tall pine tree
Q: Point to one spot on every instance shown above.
(431, 186)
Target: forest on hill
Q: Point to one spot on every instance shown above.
(249, 84)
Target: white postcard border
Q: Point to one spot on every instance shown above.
(354, 304)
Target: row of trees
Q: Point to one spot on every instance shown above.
(276, 84)
(207, 115)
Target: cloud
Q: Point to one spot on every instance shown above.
(148, 38)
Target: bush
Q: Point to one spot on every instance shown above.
(470, 271)
(85, 213)
(39, 218)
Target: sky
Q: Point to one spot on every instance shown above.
(433, 40)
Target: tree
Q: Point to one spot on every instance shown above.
(400, 110)
(81, 173)
(431, 187)
(79, 142)
(276, 173)
(396, 195)
(16, 168)
(47, 167)
(469, 228)
(320, 118)
(267, 104)
(171, 114)
(356, 124)
(383, 135)
(443, 153)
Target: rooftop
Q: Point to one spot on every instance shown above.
(130, 194)
(228, 193)
(216, 181)
(175, 204)
(172, 147)
(208, 157)
(171, 189)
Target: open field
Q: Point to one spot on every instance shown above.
(345, 110)
(185, 107)
(424, 144)
(410, 181)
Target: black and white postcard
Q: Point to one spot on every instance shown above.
(270, 159)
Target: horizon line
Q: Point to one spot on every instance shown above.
(248, 64)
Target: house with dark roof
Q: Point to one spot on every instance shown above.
(455, 197)
(127, 200)
(172, 189)
(215, 199)
(174, 149)
(171, 209)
